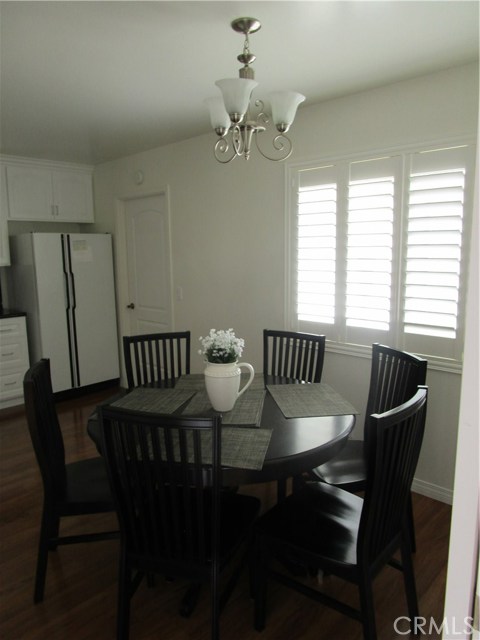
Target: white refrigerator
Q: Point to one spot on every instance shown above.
(65, 284)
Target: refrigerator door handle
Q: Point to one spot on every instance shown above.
(65, 289)
(70, 310)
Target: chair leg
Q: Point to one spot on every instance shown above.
(190, 599)
(48, 529)
(41, 572)
(411, 524)
(150, 580)
(298, 482)
(409, 581)
(123, 599)
(215, 591)
(260, 570)
(367, 609)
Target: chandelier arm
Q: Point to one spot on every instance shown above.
(238, 141)
(280, 143)
(222, 147)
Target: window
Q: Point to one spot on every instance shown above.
(378, 249)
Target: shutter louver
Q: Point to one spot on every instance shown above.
(434, 249)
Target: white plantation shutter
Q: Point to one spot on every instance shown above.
(435, 254)
(316, 245)
(371, 193)
(379, 247)
(369, 253)
(434, 241)
(372, 210)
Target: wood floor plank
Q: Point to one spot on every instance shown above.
(80, 594)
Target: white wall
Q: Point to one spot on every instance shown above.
(463, 578)
(228, 226)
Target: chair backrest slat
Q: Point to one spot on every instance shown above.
(392, 455)
(156, 357)
(44, 427)
(289, 354)
(165, 475)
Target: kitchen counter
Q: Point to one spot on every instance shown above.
(11, 313)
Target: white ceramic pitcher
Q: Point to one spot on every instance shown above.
(222, 382)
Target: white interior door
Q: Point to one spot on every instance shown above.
(149, 271)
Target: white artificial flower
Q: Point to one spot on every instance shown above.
(222, 346)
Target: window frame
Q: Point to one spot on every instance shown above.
(396, 337)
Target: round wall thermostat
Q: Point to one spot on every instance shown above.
(139, 177)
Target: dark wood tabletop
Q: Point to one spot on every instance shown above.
(296, 445)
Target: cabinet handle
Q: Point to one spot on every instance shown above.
(7, 330)
(9, 384)
(10, 353)
(56, 209)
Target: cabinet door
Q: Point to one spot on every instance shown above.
(72, 194)
(30, 195)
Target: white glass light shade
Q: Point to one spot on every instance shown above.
(284, 107)
(236, 95)
(218, 116)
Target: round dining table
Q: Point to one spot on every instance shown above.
(296, 445)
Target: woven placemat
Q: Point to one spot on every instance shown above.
(246, 411)
(241, 448)
(307, 400)
(191, 382)
(154, 400)
(244, 448)
(196, 381)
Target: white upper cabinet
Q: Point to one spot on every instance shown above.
(38, 191)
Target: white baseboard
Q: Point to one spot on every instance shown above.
(432, 491)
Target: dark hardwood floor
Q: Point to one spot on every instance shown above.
(80, 594)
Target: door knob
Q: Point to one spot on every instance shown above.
(131, 306)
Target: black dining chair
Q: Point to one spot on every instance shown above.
(166, 476)
(293, 355)
(394, 378)
(342, 534)
(74, 489)
(156, 357)
(290, 355)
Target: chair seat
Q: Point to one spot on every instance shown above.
(87, 486)
(318, 519)
(347, 469)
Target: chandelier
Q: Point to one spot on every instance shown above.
(232, 116)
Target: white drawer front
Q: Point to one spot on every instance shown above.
(11, 352)
(12, 329)
(11, 385)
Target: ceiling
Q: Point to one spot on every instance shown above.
(92, 81)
